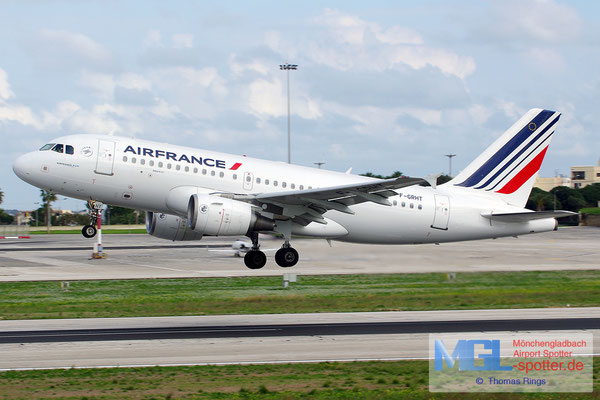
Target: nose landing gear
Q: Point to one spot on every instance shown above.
(88, 231)
(95, 211)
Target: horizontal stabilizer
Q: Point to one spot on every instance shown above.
(527, 216)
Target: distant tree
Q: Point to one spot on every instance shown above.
(71, 219)
(540, 200)
(47, 199)
(591, 194)
(443, 179)
(6, 219)
(395, 174)
(121, 215)
(570, 199)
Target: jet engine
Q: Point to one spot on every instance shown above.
(218, 216)
(170, 227)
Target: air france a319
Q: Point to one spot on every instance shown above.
(189, 193)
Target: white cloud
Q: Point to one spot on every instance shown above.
(153, 38)
(546, 59)
(265, 98)
(359, 44)
(131, 80)
(239, 67)
(182, 40)
(539, 20)
(19, 113)
(103, 84)
(353, 30)
(78, 44)
(5, 92)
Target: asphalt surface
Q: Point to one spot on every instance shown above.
(246, 331)
(268, 338)
(131, 256)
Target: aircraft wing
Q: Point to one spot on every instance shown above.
(527, 216)
(305, 206)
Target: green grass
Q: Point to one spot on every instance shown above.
(590, 211)
(78, 231)
(322, 293)
(353, 380)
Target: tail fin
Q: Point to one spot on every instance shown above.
(509, 166)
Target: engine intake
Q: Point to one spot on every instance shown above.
(219, 216)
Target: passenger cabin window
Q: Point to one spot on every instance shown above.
(59, 148)
(70, 149)
(257, 180)
(47, 146)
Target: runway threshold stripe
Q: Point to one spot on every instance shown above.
(379, 328)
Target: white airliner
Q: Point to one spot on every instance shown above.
(188, 193)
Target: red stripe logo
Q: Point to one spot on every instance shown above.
(523, 176)
(236, 166)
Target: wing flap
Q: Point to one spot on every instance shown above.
(527, 216)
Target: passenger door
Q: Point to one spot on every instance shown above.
(106, 157)
(442, 212)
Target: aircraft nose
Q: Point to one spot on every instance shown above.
(22, 166)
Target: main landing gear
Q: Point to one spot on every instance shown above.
(95, 211)
(285, 257)
(255, 259)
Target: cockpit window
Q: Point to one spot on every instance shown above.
(47, 146)
(69, 149)
(59, 148)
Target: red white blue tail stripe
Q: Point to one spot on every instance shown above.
(518, 158)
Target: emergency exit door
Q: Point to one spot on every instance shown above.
(248, 180)
(106, 157)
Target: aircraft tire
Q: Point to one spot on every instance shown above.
(286, 257)
(255, 259)
(89, 231)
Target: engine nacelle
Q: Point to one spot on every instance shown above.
(170, 227)
(219, 216)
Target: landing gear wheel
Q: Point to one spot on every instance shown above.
(255, 259)
(88, 231)
(286, 257)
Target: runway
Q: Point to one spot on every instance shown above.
(67, 257)
(262, 338)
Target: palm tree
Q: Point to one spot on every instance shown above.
(1, 196)
(47, 198)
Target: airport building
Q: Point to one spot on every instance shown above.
(582, 176)
(548, 184)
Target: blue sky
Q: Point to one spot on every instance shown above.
(381, 86)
